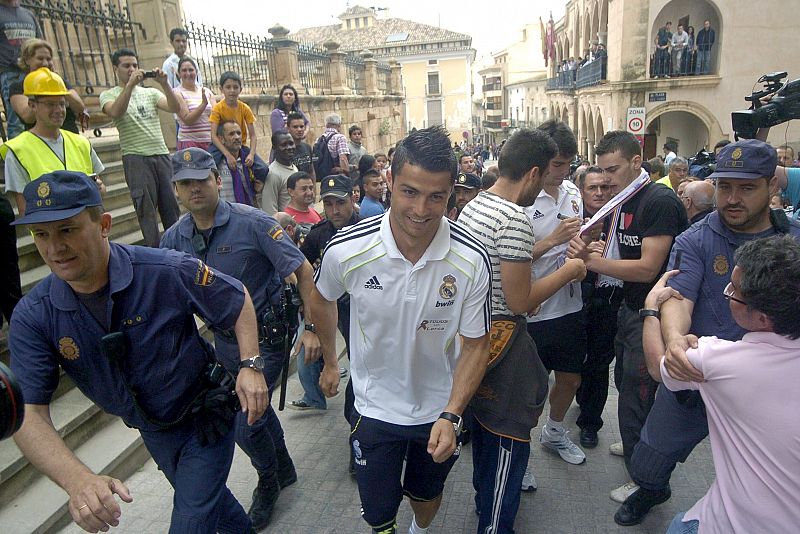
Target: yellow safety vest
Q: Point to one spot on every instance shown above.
(38, 158)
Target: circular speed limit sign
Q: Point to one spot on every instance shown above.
(635, 124)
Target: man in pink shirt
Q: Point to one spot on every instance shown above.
(750, 392)
(300, 186)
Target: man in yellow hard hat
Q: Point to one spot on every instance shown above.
(46, 147)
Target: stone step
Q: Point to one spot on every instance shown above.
(115, 450)
(75, 417)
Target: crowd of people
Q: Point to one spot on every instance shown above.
(596, 52)
(457, 290)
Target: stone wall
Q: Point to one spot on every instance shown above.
(380, 118)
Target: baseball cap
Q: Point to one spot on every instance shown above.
(191, 164)
(468, 180)
(747, 159)
(57, 196)
(336, 185)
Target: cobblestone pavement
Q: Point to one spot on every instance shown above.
(570, 498)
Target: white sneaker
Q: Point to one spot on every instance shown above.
(616, 449)
(623, 492)
(529, 481)
(564, 446)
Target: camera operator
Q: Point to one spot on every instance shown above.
(247, 244)
(119, 320)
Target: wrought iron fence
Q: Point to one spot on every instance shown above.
(219, 50)
(591, 73)
(83, 34)
(563, 81)
(384, 78)
(354, 66)
(315, 69)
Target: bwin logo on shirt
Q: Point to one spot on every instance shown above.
(373, 283)
(537, 215)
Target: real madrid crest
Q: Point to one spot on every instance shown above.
(43, 190)
(575, 207)
(448, 288)
(187, 156)
(721, 264)
(68, 349)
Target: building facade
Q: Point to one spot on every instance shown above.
(436, 64)
(689, 107)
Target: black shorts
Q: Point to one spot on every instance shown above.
(380, 449)
(561, 342)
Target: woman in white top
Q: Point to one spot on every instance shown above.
(194, 128)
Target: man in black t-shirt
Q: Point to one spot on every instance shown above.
(647, 226)
(296, 124)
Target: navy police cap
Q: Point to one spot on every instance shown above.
(57, 196)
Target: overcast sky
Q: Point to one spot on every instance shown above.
(493, 24)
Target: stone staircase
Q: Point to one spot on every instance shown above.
(29, 502)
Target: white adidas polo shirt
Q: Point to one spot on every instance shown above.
(404, 318)
(543, 215)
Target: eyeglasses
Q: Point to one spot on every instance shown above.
(728, 294)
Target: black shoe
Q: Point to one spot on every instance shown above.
(635, 507)
(287, 475)
(588, 438)
(264, 497)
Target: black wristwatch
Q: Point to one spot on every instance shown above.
(311, 327)
(457, 420)
(644, 312)
(256, 362)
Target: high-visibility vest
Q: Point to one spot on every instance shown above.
(38, 158)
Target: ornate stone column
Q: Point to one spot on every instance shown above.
(397, 80)
(370, 73)
(338, 69)
(287, 65)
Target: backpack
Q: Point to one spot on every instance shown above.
(322, 158)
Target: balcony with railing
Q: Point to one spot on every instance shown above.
(591, 73)
(497, 86)
(563, 81)
(433, 89)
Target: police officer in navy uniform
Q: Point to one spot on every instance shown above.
(677, 422)
(120, 321)
(244, 242)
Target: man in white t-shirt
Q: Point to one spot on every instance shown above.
(275, 194)
(417, 284)
(747, 386)
(559, 328)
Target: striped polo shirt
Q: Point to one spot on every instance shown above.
(504, 229)
(404, 318)
(139, 127)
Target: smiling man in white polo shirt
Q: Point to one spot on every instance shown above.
(417, 282)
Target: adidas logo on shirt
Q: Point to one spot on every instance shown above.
(537, 215)
(373, 283)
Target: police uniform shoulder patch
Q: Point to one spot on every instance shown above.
(721, 264)
(276, 232)
(448, 289)
(68, 348)
(204, 275)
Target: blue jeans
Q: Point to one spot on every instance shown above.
(498, 467)
(679, 526)
(309, 379)
(703, 62)
(202, 504)
(14, 126)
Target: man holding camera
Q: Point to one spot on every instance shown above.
(247, 244)
(145, 158)
(119, 320)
